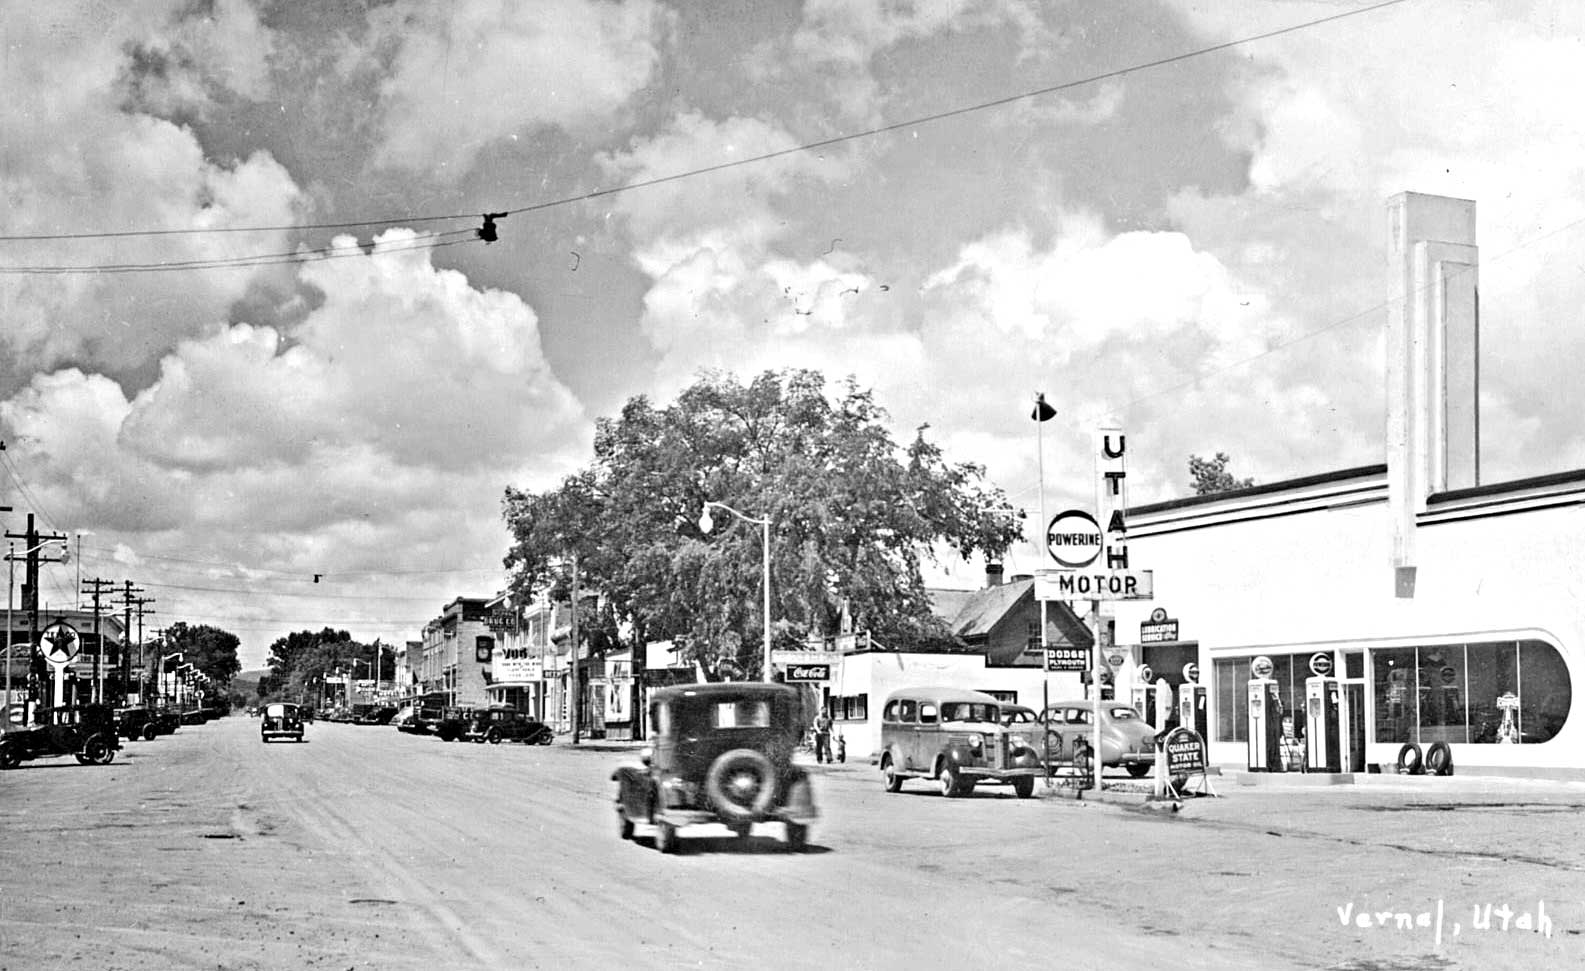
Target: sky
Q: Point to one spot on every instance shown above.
(326, 374)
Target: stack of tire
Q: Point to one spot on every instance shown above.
(1437, 759)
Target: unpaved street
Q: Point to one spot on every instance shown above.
(367, 848)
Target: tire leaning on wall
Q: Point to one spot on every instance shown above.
(1411, 761)
(1439, 759)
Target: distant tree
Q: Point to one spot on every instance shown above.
(1211, 476)
(209, 649)
(853, 515)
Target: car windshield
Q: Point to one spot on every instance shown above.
(1122, 714)
(1017, 716)
(276, 711)
(969, 711)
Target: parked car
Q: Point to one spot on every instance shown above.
(720, 753)
(135, 722)
(377, 715)
(164, 720)
(89, 733)
(281, 720)
(956, 737)
(1127, 740)
(452, 724)
(496, 725)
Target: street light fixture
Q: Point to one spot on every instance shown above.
(706, 524)
(159, 674)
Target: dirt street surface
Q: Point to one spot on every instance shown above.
(364, 848)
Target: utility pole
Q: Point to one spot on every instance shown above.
(30, 584)
(127, 591)
(96, 587)
(576, 694)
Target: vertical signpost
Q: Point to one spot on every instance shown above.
(1110, 501)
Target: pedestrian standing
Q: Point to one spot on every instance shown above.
(823, 736)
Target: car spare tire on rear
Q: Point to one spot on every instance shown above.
(741, 783)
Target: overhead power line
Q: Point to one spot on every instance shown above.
(674, 177)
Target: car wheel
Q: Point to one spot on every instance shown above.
(741, 784)
(494, 737)
(545, 738)
(626, 825)
(1138, 771)
(149, 733)
(797, 837)
(1024, 786)
(96, 751)
(666, 838)
(894, 782)
(948, 779)
(10, 758)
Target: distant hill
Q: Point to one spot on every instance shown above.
(246, 683)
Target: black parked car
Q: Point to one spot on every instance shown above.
(721, 753)
(89, 733)
(136, 722)
(164, 720)
(496, 725)
(452, 724)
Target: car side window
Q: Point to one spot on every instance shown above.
(927, 713)
(908, 711)
(891, 712)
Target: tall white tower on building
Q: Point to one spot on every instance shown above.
(1433, 362)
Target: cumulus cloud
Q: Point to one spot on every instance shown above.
(81, 153)
(466, 75)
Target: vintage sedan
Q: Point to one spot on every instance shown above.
(497, 725)
(89, 733)
(281, 720)
(721, 753)
(136, 722)
(1127, 740)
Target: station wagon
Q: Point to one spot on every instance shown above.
(956, 737)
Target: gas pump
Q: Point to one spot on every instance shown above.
(1145, 698)
(1192, 711)
(1325, 738)
(1265, 719)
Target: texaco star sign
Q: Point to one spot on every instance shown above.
(61, 643)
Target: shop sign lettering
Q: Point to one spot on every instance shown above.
(1067, 659)
(1077, 585)
(808, 672)
(1185, 752)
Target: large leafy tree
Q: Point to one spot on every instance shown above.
(853, 517)
(209, 649)
(303, 658)
(1210, 476)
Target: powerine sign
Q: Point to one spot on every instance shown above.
(1094, 549)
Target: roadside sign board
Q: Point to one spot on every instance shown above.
(1158, 629)
(1185, 752)
(808, 672)
(1067, 659)
(60, 643)
(1091, 585)
(1074, 539)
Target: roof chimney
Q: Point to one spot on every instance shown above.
(993, 575)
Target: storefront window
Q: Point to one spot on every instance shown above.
(1493, 674)
(1544, 691)
(1232, 709)
(1441, 693)
(1396, 699)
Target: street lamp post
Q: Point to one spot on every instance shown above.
(159, 675)
(706, 524)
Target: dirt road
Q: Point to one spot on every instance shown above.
(367, 848)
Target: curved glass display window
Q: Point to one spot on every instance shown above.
(1494, 692)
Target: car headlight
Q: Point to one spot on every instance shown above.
(1019, 741)
(977, 744)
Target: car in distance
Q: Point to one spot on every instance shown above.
(1127, 740)
(452, 724)
(136, 722)
(496, 725)
(720, 753)
(281, 720)
(956, 737)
